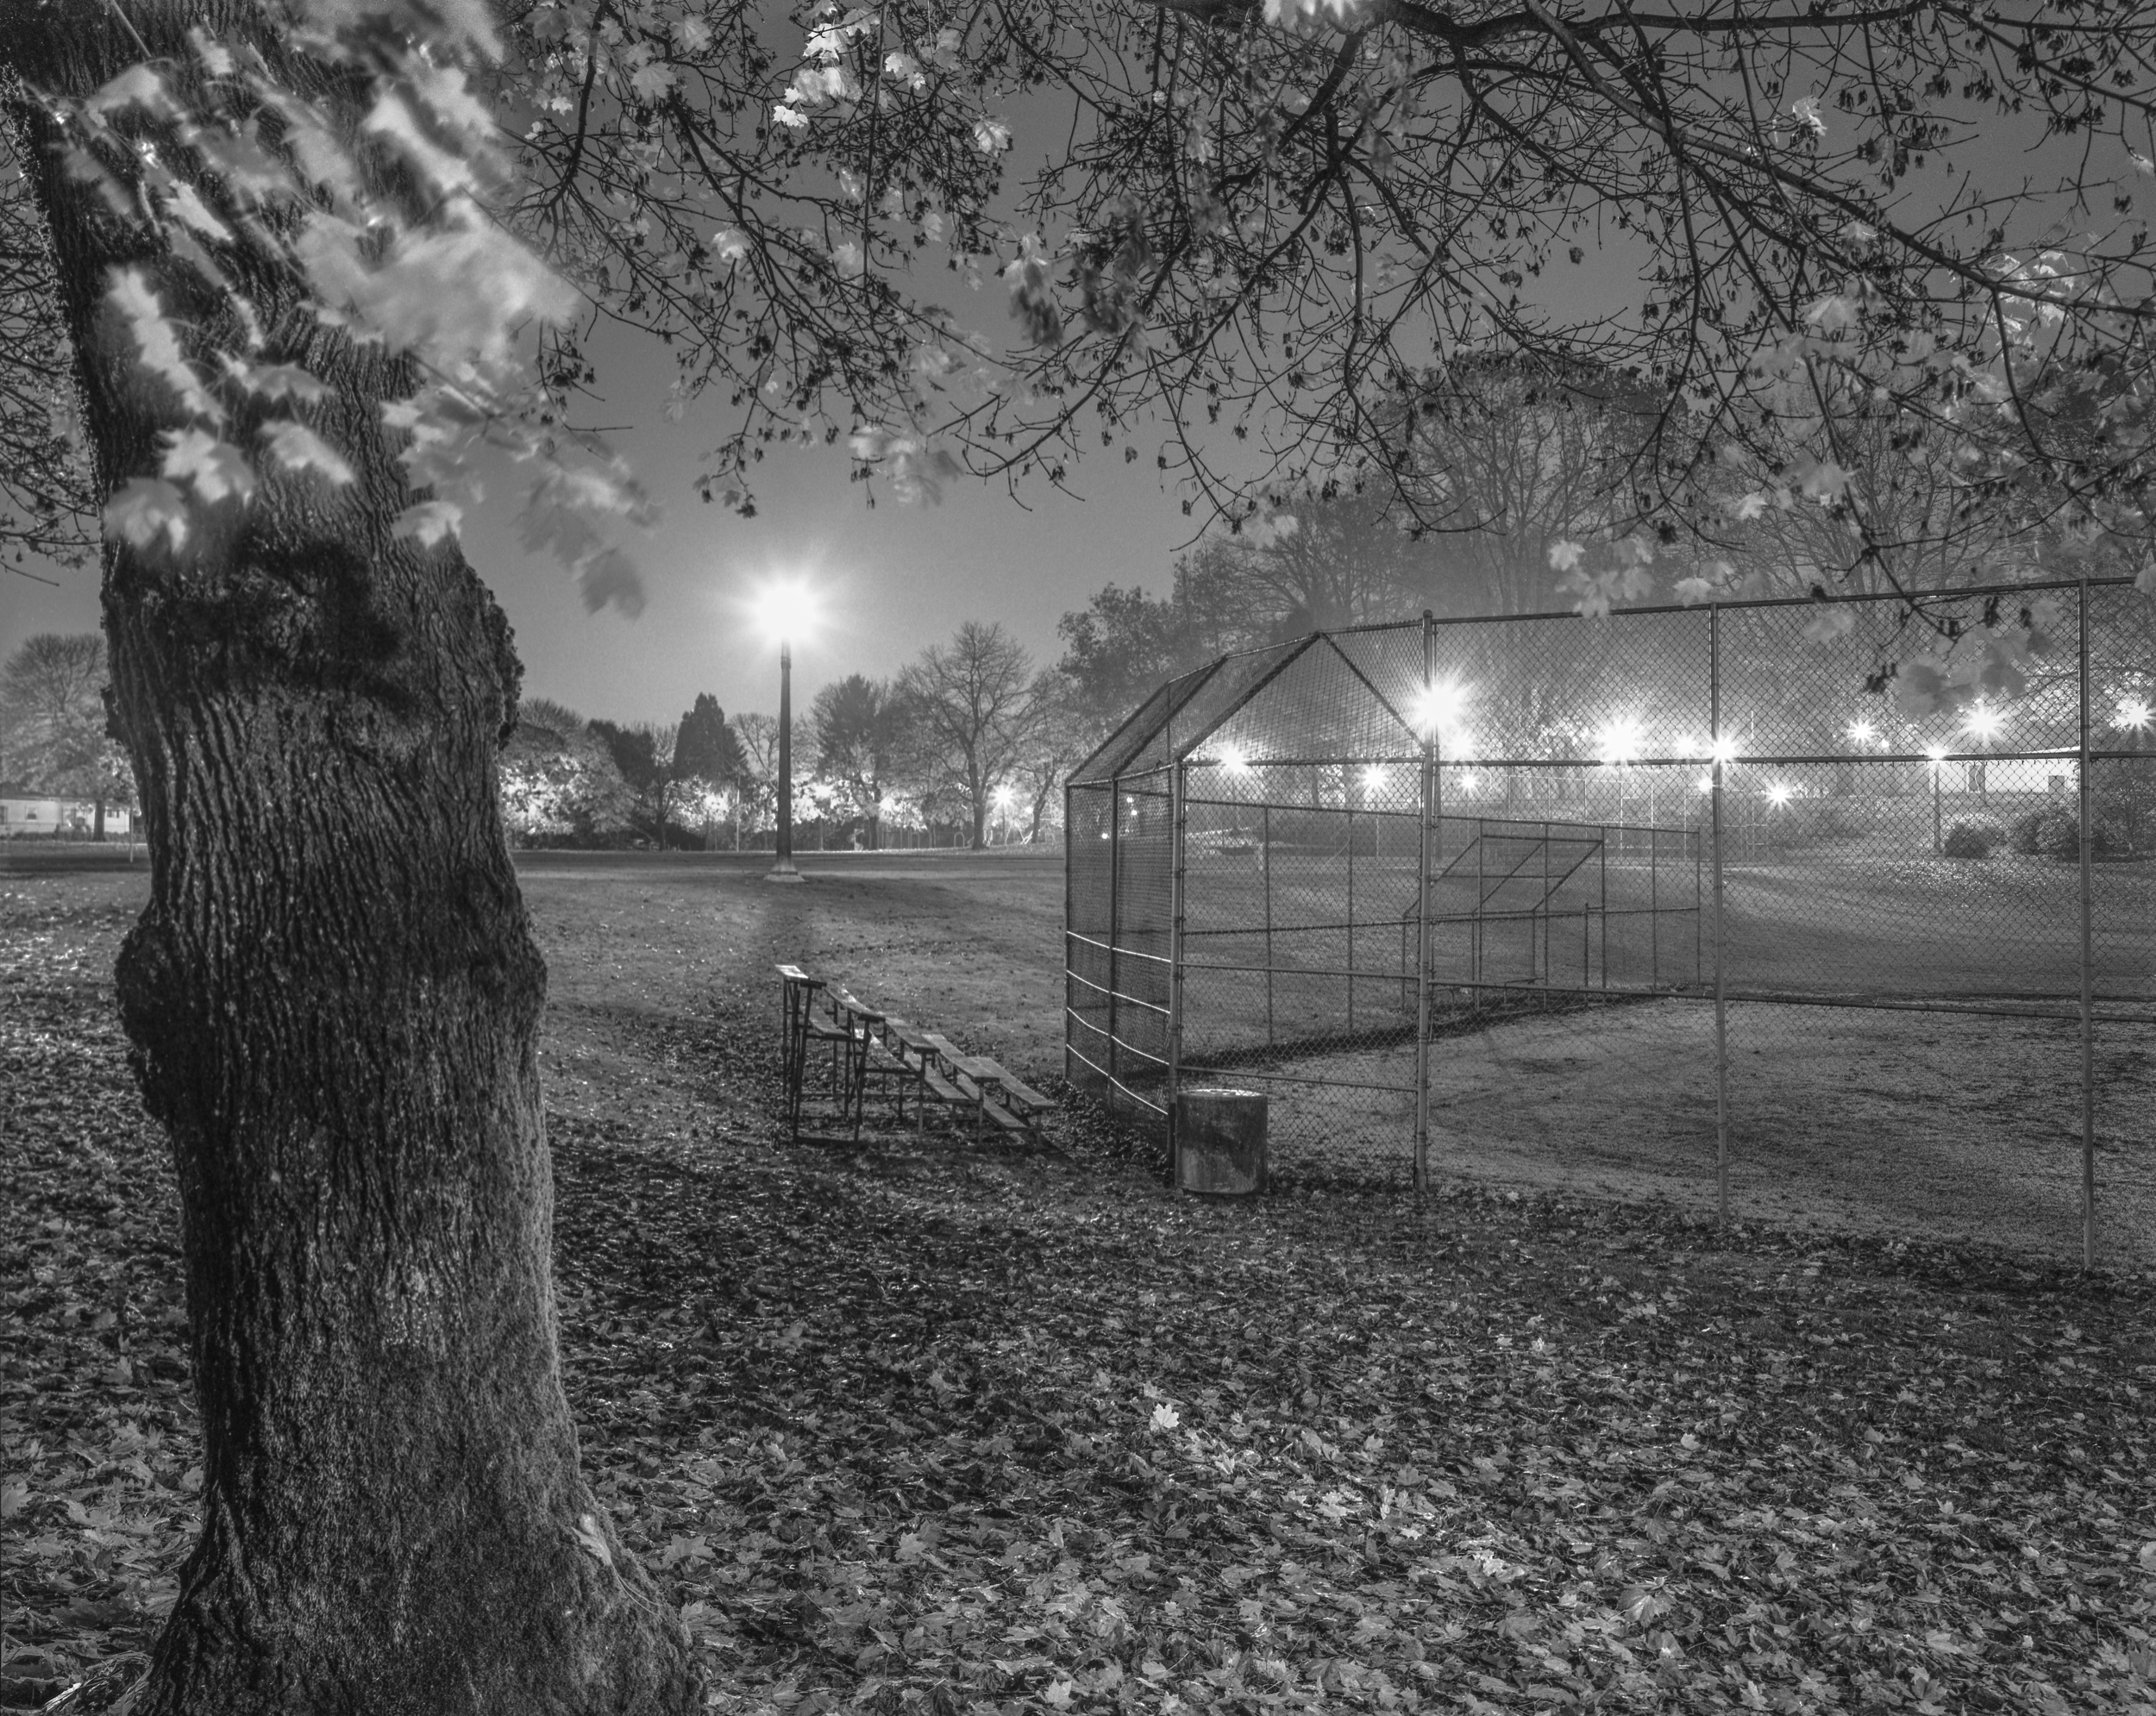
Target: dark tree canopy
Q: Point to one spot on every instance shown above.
(706, 748)
(1262, 237)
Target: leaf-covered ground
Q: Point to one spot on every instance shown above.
(927, 1427)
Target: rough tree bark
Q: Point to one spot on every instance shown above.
(334, 998)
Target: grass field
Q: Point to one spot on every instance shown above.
(1907, 1122)
(933, 1426)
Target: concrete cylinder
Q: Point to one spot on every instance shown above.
(1221, 1141)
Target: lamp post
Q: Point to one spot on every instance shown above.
(1984, 724)
(782, 868)
(1938, 762)
(783, 609)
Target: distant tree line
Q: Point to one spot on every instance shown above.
(968, 743)
(1519, 465)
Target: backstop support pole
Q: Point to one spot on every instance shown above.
(1425, 855)
(2087, 970)
(1176, 794)
(1722, 955)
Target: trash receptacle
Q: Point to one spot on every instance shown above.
(1221, 1141)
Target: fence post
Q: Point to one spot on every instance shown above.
(1347, 799)
(1175, 788)
(1425, 855)
(1698, 916)
(1265, 877)
(1115, 929)
(1475, 923)
(1070, 896)
(2087, 970)
(1547, 911)
(1722, 1005)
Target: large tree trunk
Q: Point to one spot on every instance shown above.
(334, 998)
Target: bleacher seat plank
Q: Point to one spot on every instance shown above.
(1016, 1087)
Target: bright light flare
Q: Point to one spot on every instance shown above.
(1470, 784)
(1438, 708)
(1005, 798)
(1779, 794)
(785, 610)
(1982, 723)
(2133, 712)
(1622, 740)
(1936, 753)
(1862, 732)
(1234, 759)
(1373, 778)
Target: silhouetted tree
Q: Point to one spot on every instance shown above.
(973, 697)
(706, 748)
(863, 728)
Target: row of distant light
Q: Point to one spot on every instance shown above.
(1376, 775)
(1624, 740)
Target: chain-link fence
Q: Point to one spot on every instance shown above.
(1576, 899)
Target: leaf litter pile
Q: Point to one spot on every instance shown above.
(943, 1428)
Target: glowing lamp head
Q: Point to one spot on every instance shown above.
(1469, 785)
(1982, 723)
(1005, 797)
(2133, 712)
(1862, 732)
(784, 609)
(1235, 759)
(1936, 753)
(1373, 777)
(1779, 794)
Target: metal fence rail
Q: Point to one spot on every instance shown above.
(1381, 871)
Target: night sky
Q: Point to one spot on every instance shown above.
(898, 578)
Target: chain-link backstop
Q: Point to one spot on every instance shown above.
(1569, 898)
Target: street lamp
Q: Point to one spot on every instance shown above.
(1005, 798)
(784, 609)
(1984, 725)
